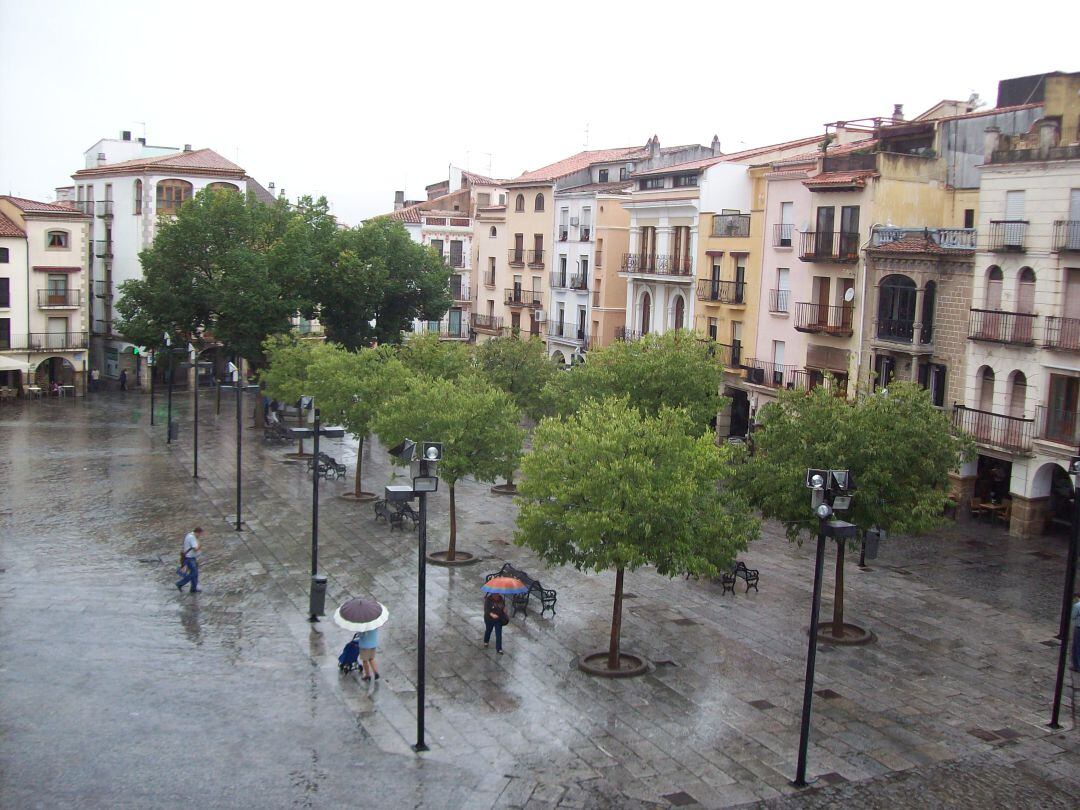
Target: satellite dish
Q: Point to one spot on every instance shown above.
(849, 294)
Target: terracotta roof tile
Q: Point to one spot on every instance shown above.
(9, 228)
(36, 207)
(581, 160)
(481, 180)
(199, 160)
(615, 187)
(410, 215)
(920, 244)
(839, 179)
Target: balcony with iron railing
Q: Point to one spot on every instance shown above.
(557, 279)
(102, 289)
(569, 332)
(1057, 425)
(811, 378)
(729, 355)
(849, 163)
(520, 297)
(536, 259)
(44, 341)
(445, 329)
(902, 330)
(657, 264)
(105, 209)
(835, 321)
(103, 248)
(102, 327)
(830, 246)
(995, 429)
(487, 323)
(516, 257)
(779, 301)
(721, 292)
(1007, 235)
(1062, 334)
(578, 281)
(1067, 236)
(489, 278)
(585, 233)
(731, 225)
(83, 206)
(783, 234)
(627, 335)
(59, 299)
(950, 238)
(564, 233)
(773, 375)
(460, 292)
(997, 326)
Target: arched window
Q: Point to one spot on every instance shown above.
(986, 389)
(219, 186)
(646, 313)
(538, 204)
(136, 203)
(993, 288)
(519, 202)
(896, 309)
(1017, 394)
(679, 313)
(1025, 290)
(929, 294)
(171, 194)
(57, 240)
(492, 232)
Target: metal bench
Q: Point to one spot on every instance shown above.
(326, 466)
(520, 601)
(395, 514)
(739, 571)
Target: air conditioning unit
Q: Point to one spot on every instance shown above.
(573, 221)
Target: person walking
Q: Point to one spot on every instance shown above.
(369, 642)
(123, 380)
(189, 561)
(95, 375)
(1075, 615)
(495, 618)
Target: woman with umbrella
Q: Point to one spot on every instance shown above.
(364, 617)
(495, 615)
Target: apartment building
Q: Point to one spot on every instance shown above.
(126, 186)
(44, 259)
(1021, 391)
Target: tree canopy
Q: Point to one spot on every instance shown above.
(673, 369)
(426, 354)
(477, 424)
(520, 367)
(375, 280)
(612, 487)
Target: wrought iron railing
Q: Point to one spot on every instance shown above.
(624, 334)
(1067, 235)
(567, 330)
(585, 233)
(557, 280)
(1007, 234)
(822, 319)
(83, 206)
(536, 258)
(774, 375)
(954, 238)
(446, 330)
(520, 297)
(489, 278)
(1057, 425)
(46, 341)
(899, 330)
(578, 281)
(779, 300)
(723, 292)
(102, 289)
(830, 246)
(783, 233)
(996, 326)
(730, 356)
(564, 233)
(103, 248)
(487, 323)
(105, 209)
(734, 225)
(516, 257)
(59, 298)
(460, 292)
(1062, 333)
(658, 264)
(995, 429)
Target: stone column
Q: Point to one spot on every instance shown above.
(664, 243)
(916, 337)
(962, 489)
(635, 239)
(1028, 516)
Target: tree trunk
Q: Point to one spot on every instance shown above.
(260, 410)
(838, 595)
(359, 461)
(616, 622)
(451, 552)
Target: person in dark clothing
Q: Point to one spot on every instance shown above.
(494, 619)
(123, 380)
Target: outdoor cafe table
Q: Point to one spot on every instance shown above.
(33, 391)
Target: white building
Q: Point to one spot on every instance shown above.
(43, 295)
(126, 185)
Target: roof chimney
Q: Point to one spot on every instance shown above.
(897, 113)
(125, 135)
(1048, 133)
(399, 200)
(187, 147)
(716, 146)
(990, 142)
(654, 147)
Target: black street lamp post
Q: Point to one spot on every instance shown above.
(195, 424)
(153, 368)
(168, 420)
(424, 480)
(1067, 593)
(239, 388)
(317, 598)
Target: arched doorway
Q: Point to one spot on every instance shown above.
(1025, 304)
(1017, 402)
(54, 371)
(558, 358)
(646, 313)
(678, 315)
(896, 309)
(984, 420)
(990, 325)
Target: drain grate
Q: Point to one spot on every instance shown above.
(680, 799)
(832, 778)
(827, 694)
(983, 734)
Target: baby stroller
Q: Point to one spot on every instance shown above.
(350, 656)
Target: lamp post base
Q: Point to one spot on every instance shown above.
(419, 748)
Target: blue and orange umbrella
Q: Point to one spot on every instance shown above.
(505, 585)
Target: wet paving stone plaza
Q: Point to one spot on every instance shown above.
(117, 691)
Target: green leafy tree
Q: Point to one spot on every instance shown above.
(375, 281)
(898, 447)
(520, 367)
(288, 375)
(610, 487)
(477, 423)
(673, 369)
(352, 387)
(426, 354)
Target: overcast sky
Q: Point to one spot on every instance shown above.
(354, 100)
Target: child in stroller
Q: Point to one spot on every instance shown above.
(350, 656)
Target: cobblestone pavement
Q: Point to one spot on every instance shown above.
(113, 681)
